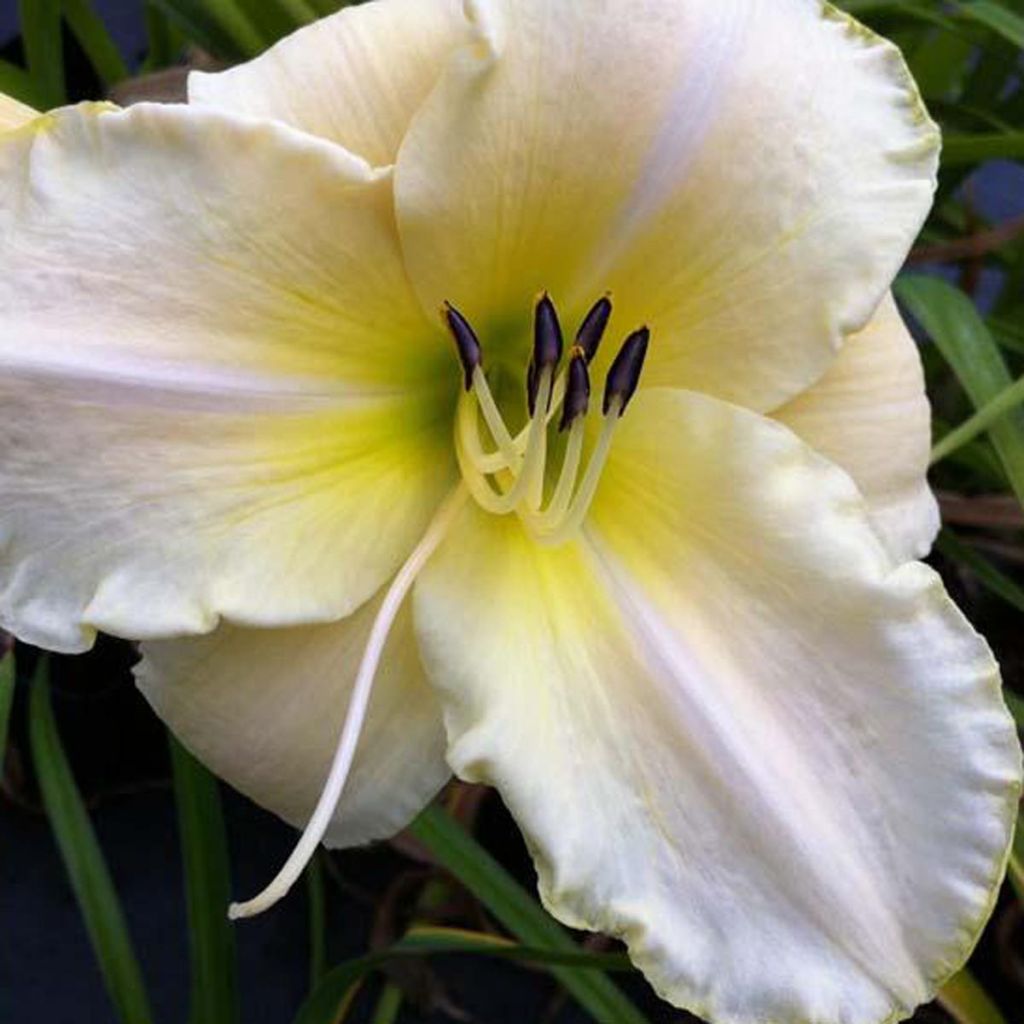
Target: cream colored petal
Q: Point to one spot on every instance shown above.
(744, 176)
(870, 415)
(733, 732)
(14, 114)
(216, 386)
(356, 77)
(264, 708)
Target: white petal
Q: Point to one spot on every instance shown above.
(743, 176)
(733, 733)
(356, 77)
(14, 114)
(870, 415)
(218, 391)
(263, 709)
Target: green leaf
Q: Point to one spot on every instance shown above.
(44, 52)
(165, 41)
(940, 63)
(325, 7)
(204, 853)
(972, 149)
(988, 575)
(83, 860)
(6, 699)
(968, 1002)
(951, 320)
(317, 920)
(479, 872)
(435, 939)
(339, 984)
(218, 26)
(1008, 332)
(1016, 706)
(1015, 867)
(302, 12)
(94, 39)
(17, 82)
(924, 12)
(996, 17)
(388, 1005)
(994, 409)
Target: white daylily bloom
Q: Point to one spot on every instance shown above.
(739, 727)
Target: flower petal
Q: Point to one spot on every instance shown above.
(264, 708)
(14, 114)
(356, 77)
(870, 415)
(733, 733)
(216, 385)
(745, 177)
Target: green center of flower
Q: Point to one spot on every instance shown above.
(512, 476)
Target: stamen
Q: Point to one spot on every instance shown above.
(577, 390)
(510, 455)
(588, 338)
(511, 478)
(591, 331)
(573, 520)
(356, 713)
(553, 515)
(620, 386)
(547, 348)
(624, 374)
(531, 472)
(474, 462)
(466, 342)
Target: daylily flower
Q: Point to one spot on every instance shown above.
(684, 636)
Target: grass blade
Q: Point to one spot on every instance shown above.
(1015, 868)
(44, 51)
(519, 912)
(991, 411)
(301, 12)
(83, 860)
(339, 985)
(216, 25)
(92, 35)
(164, 41)
(954, 324)
(998, 18)
(971, 149)
(6, 699)
(988, 575)
(19, 84)
(967, 1002)
(1016, 706)
(207, 890)
(388, 1005)
(325, 7)
(317, 921)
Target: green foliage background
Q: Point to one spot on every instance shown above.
(967, 58)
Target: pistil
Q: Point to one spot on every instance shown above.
(355, 716)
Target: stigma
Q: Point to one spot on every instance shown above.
(509, 475)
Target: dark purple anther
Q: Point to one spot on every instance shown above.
(466, 342)
(547, 347)
(547, 334)
(624, 374)
(591, 331)
(577, 390)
